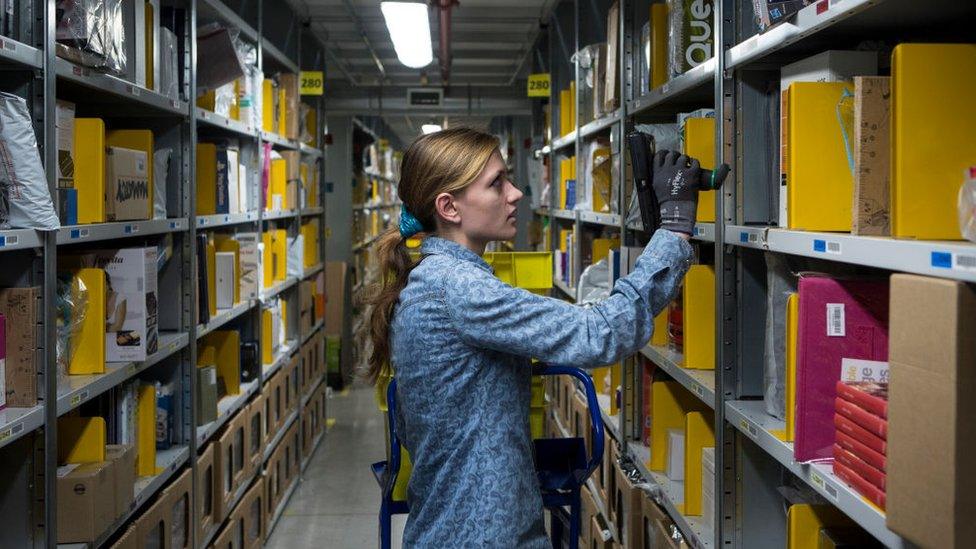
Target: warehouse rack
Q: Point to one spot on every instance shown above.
(28, 436)
(750, 461)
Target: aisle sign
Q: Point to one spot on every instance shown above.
(312, 82)
(539, 85)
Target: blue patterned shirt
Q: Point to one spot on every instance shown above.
(461, 346)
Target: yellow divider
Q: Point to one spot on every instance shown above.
(699, 137)
(227, 353)
(804, 522)
(698, 317)
(146, 432)
(88, 346)
(81, 439)
(670, 402)
(90, 169)
(792, 324)
(699, 434)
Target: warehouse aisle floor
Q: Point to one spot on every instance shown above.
(337, 502)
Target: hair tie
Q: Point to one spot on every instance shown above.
(409, 225)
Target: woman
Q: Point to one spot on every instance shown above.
(460, 340)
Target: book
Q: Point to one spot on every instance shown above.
(862, 417)
(864, 469)
(871, 492)
(203, 298)
(871, 396)
(860, 434)
(859, 449)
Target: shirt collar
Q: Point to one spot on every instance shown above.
(433, 245)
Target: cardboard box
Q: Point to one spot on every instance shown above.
(257, 438)
(205, 491)
(177, 498)
(651, 514)
(3, 363)
(226, 536)
(123, 458)
(126, 184)
(335, 292)
(289, 83)
(152, 526)
(599, 534)
(20, 307)
(931, 493)
(872, 153)
(86, 501)
(230, 462)
(611, 455)
(128, 540)
(64, 123)
(226, 275)
(206, 394)
(131, 303)
(628, 509)
(588, 510)
(249, 516)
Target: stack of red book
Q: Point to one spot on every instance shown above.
(861, 420)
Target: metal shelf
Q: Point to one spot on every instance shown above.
(226, 408)
(313, 270)
(377, 175)
(121, 89)
(379, 206)
(315, 446)
(270, 50)
(315, 328)
(541, 211)
(214, 120)
(751, 419)
(284, 354)
(598, 218)
(279, 214)
(17, 422)
(308, 394)
(945, 259)
(570, 292)
(678, 93)
(310, 151)
(600, 124)
(13, 52)
(223, 220)
(694, 531)
(563, 142)
(273, 443)
(308, 212)
(364, 243)
(75, 390)
(279, 141)
(278, 288)
(77, 234)
(281, 506)
(700, 383)
(563, 214)
(19, 239)
(704, 232)
(222, 317)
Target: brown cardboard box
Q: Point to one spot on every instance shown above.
(293, 453)
(610, 87)
(123, 458)
(662, 536)
(307, 433)
(651, 514)
(306, 304)
(127, 193)
(289, 83)
(588, 510)
(206, 491)
(21, 308)
(871, 155)
(273, 405)
(153, 524)
(242, 427)
(628, 510)
(599, 534)
(249, 515)
(931, 493)
(86, 501)
(293, 378)
(583, 422)
(226, 536)
(128, 540)
(228, 457)
(177, 498)
(257, 438)
(610, 457)
(335, 290)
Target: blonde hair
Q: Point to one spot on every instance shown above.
(447, 161)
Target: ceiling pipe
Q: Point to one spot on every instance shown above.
(444, 18)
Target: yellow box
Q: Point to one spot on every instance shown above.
(89, 179)
(698, 317)
(699, 140)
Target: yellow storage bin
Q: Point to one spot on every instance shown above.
(529, 270)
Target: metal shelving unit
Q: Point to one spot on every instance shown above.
(32, 70)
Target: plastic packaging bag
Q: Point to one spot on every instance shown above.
(169, 67)
(666, 137)
(218, 61)
(296, 255)
(72, 306)
(23, 185)
(690, 34)
(780, 284)
(160, 174)
(967, 207)
(594, 283)
(92, 33)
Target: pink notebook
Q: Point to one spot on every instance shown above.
(839, 318)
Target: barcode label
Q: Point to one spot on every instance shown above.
(830, 247)
(833, 247)
(965, 262)
(822, 483)
(835, 320)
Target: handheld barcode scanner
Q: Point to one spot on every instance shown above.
(641, 152)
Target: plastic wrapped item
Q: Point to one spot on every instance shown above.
(218, 61)
(589, 79)
(780, 284)
(690, 34)
(25, 199)
(602, 193)
(169, 67)
(666, 137)
(594, 283)
(304, 135)
(164, 251)
(767, 13)
(967, 206)
(225, 99)
(92, 33)
(72, 306)
(160, 174)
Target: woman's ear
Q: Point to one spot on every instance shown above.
(446, 208)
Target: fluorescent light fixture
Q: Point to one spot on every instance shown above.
(430, 128)
(410, 32)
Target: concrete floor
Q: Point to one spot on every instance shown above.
(337, 502)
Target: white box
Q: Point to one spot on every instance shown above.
(676, 454)
(131, 305)
(826, 66)
(226, 274)
(241, 187)
(250, 264)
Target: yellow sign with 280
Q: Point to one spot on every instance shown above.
(312, 82)
(538, 85)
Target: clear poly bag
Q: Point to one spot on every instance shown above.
(23, 185)
(160, 174)
(81, 24)
(666, 137)
(780, 284)
(72, 306)
(594, 283)
(115, 58)
(169, 66)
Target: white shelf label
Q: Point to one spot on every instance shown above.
(817, 480)
(836, 325)
(8, 45)
(826, 246)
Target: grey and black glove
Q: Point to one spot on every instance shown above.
(676, 188)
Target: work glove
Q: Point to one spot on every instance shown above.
(676, 185)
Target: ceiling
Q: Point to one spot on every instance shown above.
(491, 41)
